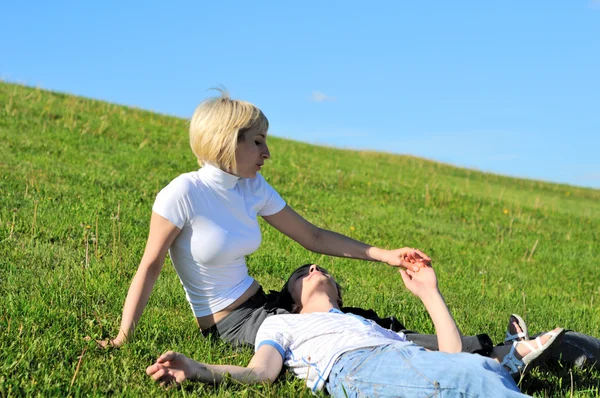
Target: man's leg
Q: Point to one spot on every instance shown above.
(578, 349)
(480, 344)
(399, 369)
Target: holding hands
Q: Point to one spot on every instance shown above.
(407, 257)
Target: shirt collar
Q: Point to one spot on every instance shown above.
(335, 311)
(218, 177)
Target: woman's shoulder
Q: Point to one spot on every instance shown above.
(184, 183)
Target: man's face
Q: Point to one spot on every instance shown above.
(309, 279)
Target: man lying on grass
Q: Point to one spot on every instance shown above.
(351, 356)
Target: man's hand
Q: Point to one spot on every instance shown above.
(407, 257)
(420, 283)
(172, 368)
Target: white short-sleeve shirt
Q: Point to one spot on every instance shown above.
(217, 214)
(311, 343)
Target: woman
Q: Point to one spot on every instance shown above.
(351, 356)
(207, 220)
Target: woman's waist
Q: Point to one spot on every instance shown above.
(210, 289)
(206, 321)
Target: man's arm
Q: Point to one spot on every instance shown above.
(423, 284)
(173, 367)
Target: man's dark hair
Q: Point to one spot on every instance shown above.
(283, 298)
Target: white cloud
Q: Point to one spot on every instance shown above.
(318, 96)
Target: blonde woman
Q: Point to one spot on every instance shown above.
(207, 220)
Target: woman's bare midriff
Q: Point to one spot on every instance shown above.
(204, 322)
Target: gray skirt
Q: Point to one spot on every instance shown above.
(239, 328)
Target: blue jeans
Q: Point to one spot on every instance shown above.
(400, 370)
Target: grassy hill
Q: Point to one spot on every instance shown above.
(77, 181)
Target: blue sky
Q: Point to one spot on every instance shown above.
(508, 87)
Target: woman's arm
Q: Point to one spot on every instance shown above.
(332, 243)
(423, 284)
(173, 367)
(161, 236)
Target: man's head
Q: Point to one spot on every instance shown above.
(303, 283)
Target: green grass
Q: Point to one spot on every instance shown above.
(77, 181)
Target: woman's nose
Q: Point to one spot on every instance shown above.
(266, 154)
(314, 268)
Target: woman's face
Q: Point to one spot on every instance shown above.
(251, 153)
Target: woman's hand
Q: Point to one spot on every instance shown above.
(172, 368)
(407, 257)
(110, 343)
(162, 234)
(420, 283)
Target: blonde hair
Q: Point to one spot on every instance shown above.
(217, 125)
